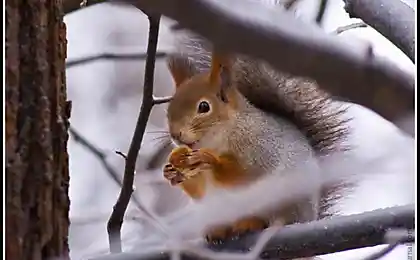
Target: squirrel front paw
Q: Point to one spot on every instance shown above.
(237, 229)
(173, 175)
(186, 158)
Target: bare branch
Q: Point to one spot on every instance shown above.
(161, 100)
(121, 154)
(344, 28)
(116, 218)
(318, 237)
(394, 19)
(110, 56)
(97, 153)
(321, 11)
(298, 48)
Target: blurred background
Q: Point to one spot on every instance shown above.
(106, 98)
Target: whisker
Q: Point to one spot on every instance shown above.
(166, 137)
(158, 132)
(159, 156)
(200, 124)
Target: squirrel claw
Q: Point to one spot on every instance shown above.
(172, 174)
(201, 156)
(195, 158)
(186, 158)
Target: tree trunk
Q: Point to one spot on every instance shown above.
(37, 176)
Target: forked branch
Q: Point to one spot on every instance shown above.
(116, 218)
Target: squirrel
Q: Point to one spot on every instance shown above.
(237, 119)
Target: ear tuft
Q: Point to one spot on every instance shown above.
(181, 68)
(221, 73)
(220, 67)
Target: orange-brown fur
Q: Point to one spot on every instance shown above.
(225, 171)
(275, 108)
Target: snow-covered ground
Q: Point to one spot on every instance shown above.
(106, 99)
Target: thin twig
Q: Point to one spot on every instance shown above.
(321, 11)
(97, 153)
(116, 218)
(344, 28)
(110, 56)
(102, 217)
(161, 100)
(121, 154)
(394, 19)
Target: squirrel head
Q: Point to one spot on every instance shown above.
(202, 101)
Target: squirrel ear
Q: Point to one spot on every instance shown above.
(221, 73)
(220, 68)
(181, 68)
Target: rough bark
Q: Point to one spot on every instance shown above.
(37, 176)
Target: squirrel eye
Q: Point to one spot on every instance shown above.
(203, 107)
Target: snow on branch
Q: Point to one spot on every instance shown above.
(307, 239)
(394, 19)
(299, 48)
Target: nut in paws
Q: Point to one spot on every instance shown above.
(185, 158)
(179, 157)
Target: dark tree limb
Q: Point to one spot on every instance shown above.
(314, 238)
(394, 19)
(116, 218)
(298, 48)
(321, 11)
